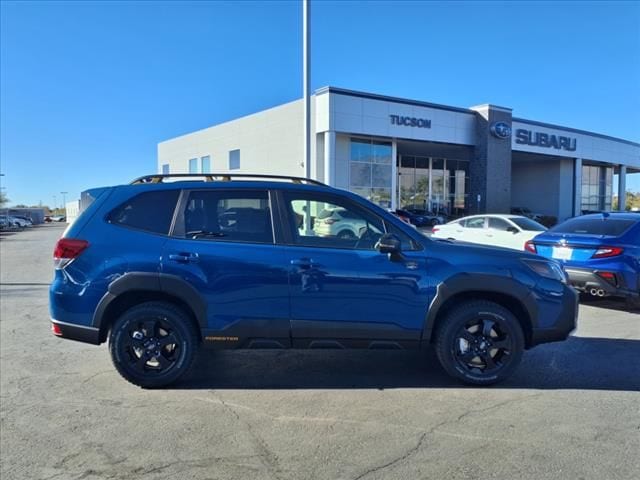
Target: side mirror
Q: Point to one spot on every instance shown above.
(513, 230)
(389, 243)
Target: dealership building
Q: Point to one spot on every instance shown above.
(399, 152)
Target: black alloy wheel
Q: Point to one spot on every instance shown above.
(480, 342)
(153, 344)
(482, 346)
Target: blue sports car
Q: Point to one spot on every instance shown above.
(599, 252)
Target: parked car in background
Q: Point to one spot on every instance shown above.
(508, 231)
(338, 222)
(401, 215)
(149, 267)
(600, 253)
(27, 220)
(4, 223)
(58, 218)
(421, 217)
(546, 220)
(16, 222)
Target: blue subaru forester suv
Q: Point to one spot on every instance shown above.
(167, 264)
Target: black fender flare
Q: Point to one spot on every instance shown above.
(152, 282)
(473, 283)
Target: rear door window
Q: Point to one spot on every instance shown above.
(477, 222)
(610, 227)
(226, 216)
(149, 211)
(498, 224)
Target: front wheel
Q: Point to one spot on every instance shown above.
(480, 343)
(153, 344)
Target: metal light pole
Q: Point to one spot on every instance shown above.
(55, 203)
(306, 80)
(306, 102)
(64, 201)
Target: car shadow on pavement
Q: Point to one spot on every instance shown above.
(579, 363)
(609, 303)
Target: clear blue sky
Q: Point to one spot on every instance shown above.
(89, 89)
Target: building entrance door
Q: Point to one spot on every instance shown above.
(437, 185)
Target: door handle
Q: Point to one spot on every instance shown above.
(184, 257)
(304, 263)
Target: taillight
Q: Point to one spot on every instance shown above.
(529, 246)
(435, 229)
(604, 252)
(68, 249)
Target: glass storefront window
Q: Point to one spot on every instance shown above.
(381, 152)
(360, 175)
(597, 188)
(370, 170)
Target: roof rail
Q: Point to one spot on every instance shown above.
(222, 177)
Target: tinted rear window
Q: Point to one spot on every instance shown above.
(528, 224)
(610, 227)
(228, 216)
(149, 211)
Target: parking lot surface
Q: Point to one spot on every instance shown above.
(572, 410)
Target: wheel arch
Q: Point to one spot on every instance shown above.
(500, 291)
(133, 289)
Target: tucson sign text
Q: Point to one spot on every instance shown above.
(410, 121)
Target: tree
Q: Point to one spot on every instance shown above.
(3, 199)
(632, 201)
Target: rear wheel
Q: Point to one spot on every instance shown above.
(480, 343)
(153, 344)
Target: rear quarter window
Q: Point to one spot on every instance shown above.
(610, 227)
(149, 211)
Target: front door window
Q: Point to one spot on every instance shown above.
(332, 224)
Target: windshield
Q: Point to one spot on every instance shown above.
(528, 224)
(610, 227)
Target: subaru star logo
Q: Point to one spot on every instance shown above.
(501, 130)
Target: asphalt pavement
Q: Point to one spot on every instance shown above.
(571, 411)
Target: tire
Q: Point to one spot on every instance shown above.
(434, 222)
(465, 337)
(153, 344)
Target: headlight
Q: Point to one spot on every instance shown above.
(546, 269)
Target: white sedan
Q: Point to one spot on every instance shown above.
(509, 231)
